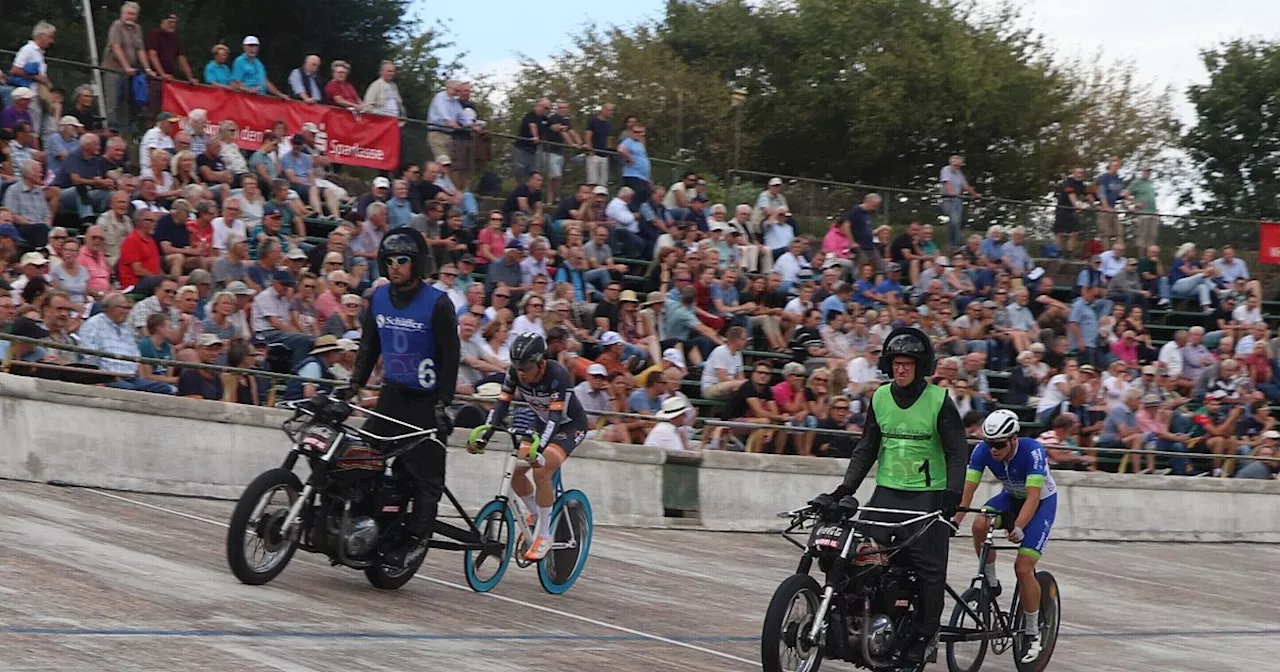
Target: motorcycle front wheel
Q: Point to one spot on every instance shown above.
(256, 551)
(784, 645)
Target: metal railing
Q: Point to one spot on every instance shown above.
(699, 422)
(815, 203)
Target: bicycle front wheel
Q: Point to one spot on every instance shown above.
(571, 526)
(968, 656)
(496, 524)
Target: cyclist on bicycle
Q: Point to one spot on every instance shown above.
(548, 389)
(1027, 504)
(915, 435)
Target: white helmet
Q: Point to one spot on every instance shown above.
(1000, 425)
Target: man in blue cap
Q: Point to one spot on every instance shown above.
(271, 316)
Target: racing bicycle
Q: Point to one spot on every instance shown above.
(503, 522)
(979, 624)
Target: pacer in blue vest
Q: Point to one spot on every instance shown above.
(414, 329)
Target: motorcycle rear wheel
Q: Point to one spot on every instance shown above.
(251, 519)
(781, 647)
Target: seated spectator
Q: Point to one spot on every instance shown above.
(271, 317)
(672, 416)
(315, 365)
(110, 333)
(1062, 445)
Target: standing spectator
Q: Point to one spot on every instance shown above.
(953, 182)
(124, 56)
(524, 152)
(860, 230)
(30, 70)
(248, 74)
(304, 83)
(165, 52)
(635, 166)
(1071, 196)
(383, 96)
(598, 131)
(443, 118)
(1110, 193)
(1143, 198)
(1082, 327)
(556, 135)
(340, 91)
(216, 71)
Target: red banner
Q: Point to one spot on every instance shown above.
(369, 140)
(1269, 243)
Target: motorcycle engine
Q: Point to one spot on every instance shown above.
(359, 538)
(879, 636)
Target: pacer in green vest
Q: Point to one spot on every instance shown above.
(915, 437)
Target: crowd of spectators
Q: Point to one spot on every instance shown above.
(183, 247)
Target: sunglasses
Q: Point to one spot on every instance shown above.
(450, 275)
(840, 407)
(535, 305)
(399, 260)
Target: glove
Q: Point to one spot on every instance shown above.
(444, 424)
(823, 502)
(1016, 535)
(950, 502)
(479, 439)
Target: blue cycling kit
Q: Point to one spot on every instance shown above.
(1028, 466)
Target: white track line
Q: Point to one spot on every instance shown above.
(502, 598)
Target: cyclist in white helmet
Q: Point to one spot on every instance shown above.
(1027, 504)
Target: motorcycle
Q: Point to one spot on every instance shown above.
(863, 613)
(352, 508)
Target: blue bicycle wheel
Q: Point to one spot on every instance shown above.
(572, 525)
(485, 570)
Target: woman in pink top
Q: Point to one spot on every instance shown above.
(1126, 348)
(491, 243)
(835, 243)
(93, 257)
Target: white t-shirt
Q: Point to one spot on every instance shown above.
(522, 324)
(861, 370)
(1244, 315)
(1171, 357)
(1053, 397)
(720, 358)
(664, 435)
(221, 230)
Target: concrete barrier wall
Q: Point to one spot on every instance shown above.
(52, 431)
(90, 436)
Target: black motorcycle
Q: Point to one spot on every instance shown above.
(863, 613)
(352, 508)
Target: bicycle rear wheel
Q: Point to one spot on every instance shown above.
(571, 526)
(1050, 619)
(968, 656)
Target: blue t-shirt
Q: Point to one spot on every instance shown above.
(1109, 188)
(639, 167)
(640, 401)
(1028, 466)
(409, 355)
(251, 74)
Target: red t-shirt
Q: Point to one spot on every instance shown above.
(137, 247)
(345, 89)
(199, 235)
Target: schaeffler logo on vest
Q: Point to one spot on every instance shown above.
(401, 323)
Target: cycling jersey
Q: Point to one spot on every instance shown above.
(551, 400)
(1028, 466)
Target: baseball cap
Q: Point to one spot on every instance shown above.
(609, 338)
(1271, 434)
(34, 258)
(1035, 274)
(444, 160)
(250, 40)
(283, 276)
(348, 345)
(68, 120)
(333, 257)
(297, 253)
(270, 210)
(1148, 370)
(10, 231)
(600, 189)
(942, 261)
(775, 182)
(163, 116)
(674, 356)
(466, 258)
(597, 370)
(381, 183)
(208, 340)
(22, 93)
(514, 245)
(298, 139)
(238, 288)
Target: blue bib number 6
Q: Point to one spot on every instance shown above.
(427, 374)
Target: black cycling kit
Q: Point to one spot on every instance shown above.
(563, 420)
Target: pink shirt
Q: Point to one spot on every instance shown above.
(835, 243)
(783, 394)
(99, 271)
(325, 305)
(495, 240)
(1127, 353)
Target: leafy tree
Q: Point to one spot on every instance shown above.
(1236, 140)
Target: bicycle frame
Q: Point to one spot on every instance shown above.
(517, 504)
(1003, 628)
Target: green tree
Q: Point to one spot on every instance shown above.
(1236, 140)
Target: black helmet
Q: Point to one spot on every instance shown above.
(528, 348)
(403, 241)
(908, 342)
